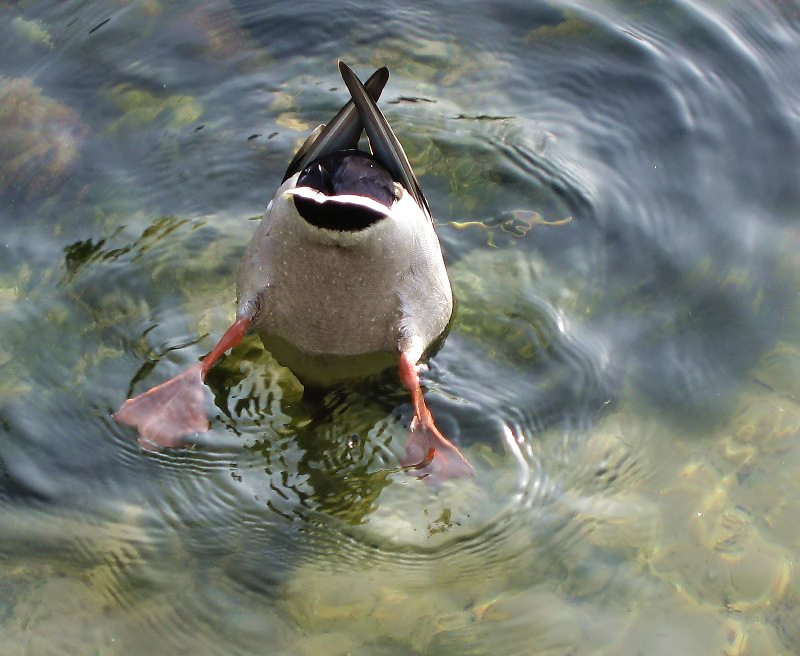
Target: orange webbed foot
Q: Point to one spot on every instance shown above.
(169, 411)
(172, 410)
(429, 453)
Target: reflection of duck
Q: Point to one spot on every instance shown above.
(343, 277)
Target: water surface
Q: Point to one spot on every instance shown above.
(615, 185)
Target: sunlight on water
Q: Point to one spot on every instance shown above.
(616, 194)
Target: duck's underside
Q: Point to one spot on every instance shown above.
(324, 340)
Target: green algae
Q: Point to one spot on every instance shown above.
(33, 31)
(140, 108)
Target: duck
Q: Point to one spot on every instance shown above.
(343, 278)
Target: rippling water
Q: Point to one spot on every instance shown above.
(616, 187)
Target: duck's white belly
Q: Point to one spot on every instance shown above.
(327, 299)
(324, 296)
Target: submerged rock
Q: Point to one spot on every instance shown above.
(40, 138)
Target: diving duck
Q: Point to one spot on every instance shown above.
(343, 278)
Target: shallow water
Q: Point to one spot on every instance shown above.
(616, 187)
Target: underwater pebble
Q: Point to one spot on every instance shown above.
(692, 572)
(719, 524)
(625, 524)
(791, 596)
(413, 515)
(789, 629)
(680, 502)
(370, 603)
(721, 555)
(54, 616)
(735, 452)
(697, 519)
(590, 576)
(758, 576)
(734, 631)
(782, 518)
(760, 639)
(780, 370)
(324, 644)
(673, 632)
(765, 420)
(513, 622)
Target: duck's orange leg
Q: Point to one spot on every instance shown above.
(171, 410)
(427, 450)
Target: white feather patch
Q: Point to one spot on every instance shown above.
(345, 199)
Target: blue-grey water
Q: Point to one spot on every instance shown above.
(617, 191)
